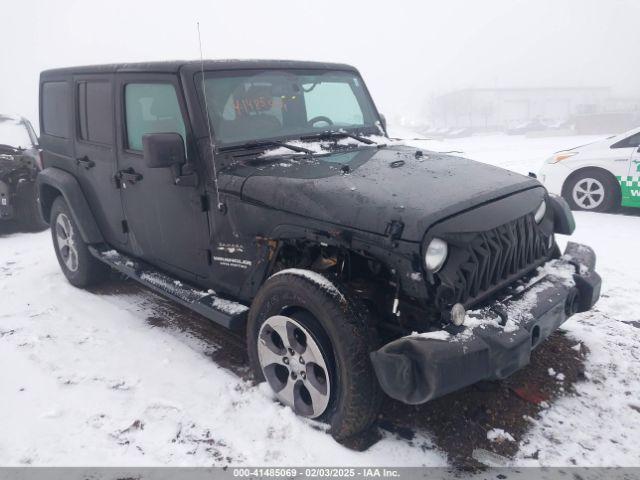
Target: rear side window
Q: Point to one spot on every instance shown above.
(95, 112)
(151, 108)
(630, 142)
(55, 109)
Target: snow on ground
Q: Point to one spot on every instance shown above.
(513, 152)
(499, 435)
(600, 425)
(84, 380)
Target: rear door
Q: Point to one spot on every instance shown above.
(631, 187)
(634, 168)
(628, 172)
(96, 153)
(167, 223)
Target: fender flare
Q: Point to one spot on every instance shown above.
(52, 182)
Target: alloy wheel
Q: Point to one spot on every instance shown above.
(588, 193)
(65, 237)
(294, 366)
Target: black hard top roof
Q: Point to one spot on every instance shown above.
(174, 66)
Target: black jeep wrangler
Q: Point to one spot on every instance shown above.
(266, 196)
(19, 165)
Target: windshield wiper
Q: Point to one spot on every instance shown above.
(269, 143)
(338, 133)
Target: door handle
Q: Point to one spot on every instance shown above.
(129, 175)
(86, 162)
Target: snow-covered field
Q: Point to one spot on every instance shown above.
(86, 379)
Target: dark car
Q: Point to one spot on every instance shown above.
(19, 166)
(266, 196)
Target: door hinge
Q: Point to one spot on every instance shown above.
(204, 203)
(125, 226)
(207, 256)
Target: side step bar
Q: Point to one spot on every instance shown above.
(227, 313)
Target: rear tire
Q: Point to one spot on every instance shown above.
(80, 267)
(28, 212)
(592, 191)
(339, 325)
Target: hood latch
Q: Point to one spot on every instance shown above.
(394, 229)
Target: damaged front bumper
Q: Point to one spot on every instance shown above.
(494, 341)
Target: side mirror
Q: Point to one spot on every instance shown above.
(163, 150)
(383, 121)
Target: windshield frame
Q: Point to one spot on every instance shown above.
(376, 129)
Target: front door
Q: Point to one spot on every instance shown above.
(167, 223)
(96, 153)
(631, 188)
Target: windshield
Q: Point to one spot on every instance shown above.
(14, 133)
(253, 106)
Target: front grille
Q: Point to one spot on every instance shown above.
(481, 262)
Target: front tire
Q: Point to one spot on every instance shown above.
(592, 191)
(80, 267)
(302, 316)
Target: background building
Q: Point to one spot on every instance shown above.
(508, 108)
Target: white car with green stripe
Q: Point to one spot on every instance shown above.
(600, 176)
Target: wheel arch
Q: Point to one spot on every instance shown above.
(343, 324)
(54, 182)
(583, 170)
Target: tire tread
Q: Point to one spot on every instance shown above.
(353, 337)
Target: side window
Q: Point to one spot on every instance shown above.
(95, 112)
(151, 108)
(55, 109)
(335, 100)
(630, 142)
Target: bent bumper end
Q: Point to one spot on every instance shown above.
(496, 340)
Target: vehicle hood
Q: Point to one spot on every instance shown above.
(371, 187)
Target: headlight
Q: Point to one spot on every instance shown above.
(558, 157)
(542, 209)
(436, 255)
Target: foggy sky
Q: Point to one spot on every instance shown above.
(407, 51)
